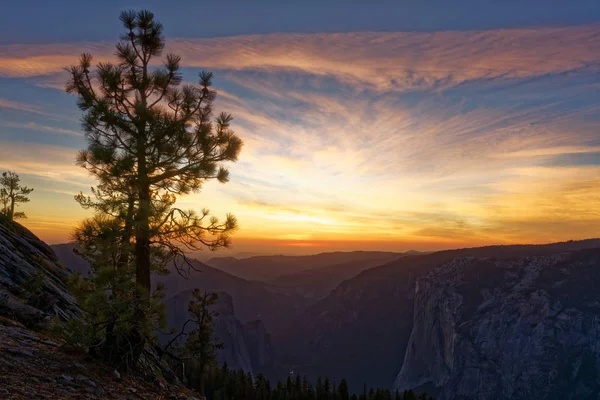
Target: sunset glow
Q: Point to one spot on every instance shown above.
(354, 140)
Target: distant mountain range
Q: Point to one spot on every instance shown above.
(252, 300)
(268, 268)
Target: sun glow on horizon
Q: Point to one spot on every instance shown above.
(356, 140)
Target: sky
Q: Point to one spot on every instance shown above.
(367, 125)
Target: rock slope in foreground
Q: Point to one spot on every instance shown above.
(33, 367)
(32, 281)
(32, 293)
(516, 328)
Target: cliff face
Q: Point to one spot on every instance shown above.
(32, 281)
(362, 329)
(259, 345)
(229, 330)
(507, 328)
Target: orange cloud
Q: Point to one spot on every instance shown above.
(334, 168)
(384, 60)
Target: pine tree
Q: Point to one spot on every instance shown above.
(343, 392)
(108, 295)
(201, 346)
(261, 386)
(326, 388)
(409, 395)
(12, 194)
(364, 395)
(151, 140)
(320, 389)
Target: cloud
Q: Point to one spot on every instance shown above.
(387, 61)
(448, 137)
(44, 128)
(53, 163)
(19, 106)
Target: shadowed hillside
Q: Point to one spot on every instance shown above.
(264, 268)
(316, 283)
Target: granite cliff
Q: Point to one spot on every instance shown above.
(507, 328)
(363, 329)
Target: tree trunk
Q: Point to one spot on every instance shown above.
(11, 212)
(142, 239)
(142, 257)
(111, 345)
(201, 380)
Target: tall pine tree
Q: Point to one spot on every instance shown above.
(150, 140)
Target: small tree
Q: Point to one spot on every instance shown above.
(201, 347)
(343, 391)
(12, 194)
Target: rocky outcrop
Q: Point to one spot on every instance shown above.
(230, 332)
(32, 281)
(259, 344)
(507, 328)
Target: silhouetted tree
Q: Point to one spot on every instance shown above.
(12, 194)
(150, 140)
(343, 392)
(201, 346)
(108, 295)
(225, 384)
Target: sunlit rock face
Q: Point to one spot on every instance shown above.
(32, 281)
(512, 328)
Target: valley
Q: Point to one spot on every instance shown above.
(410, 321)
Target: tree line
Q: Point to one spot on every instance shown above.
(226, 384)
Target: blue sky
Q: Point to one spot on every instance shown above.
(391, 126)
(66, 20)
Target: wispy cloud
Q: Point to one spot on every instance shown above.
(41, 128)
(19, 106)
(390, 61)
(449, 137)
(54, 163)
